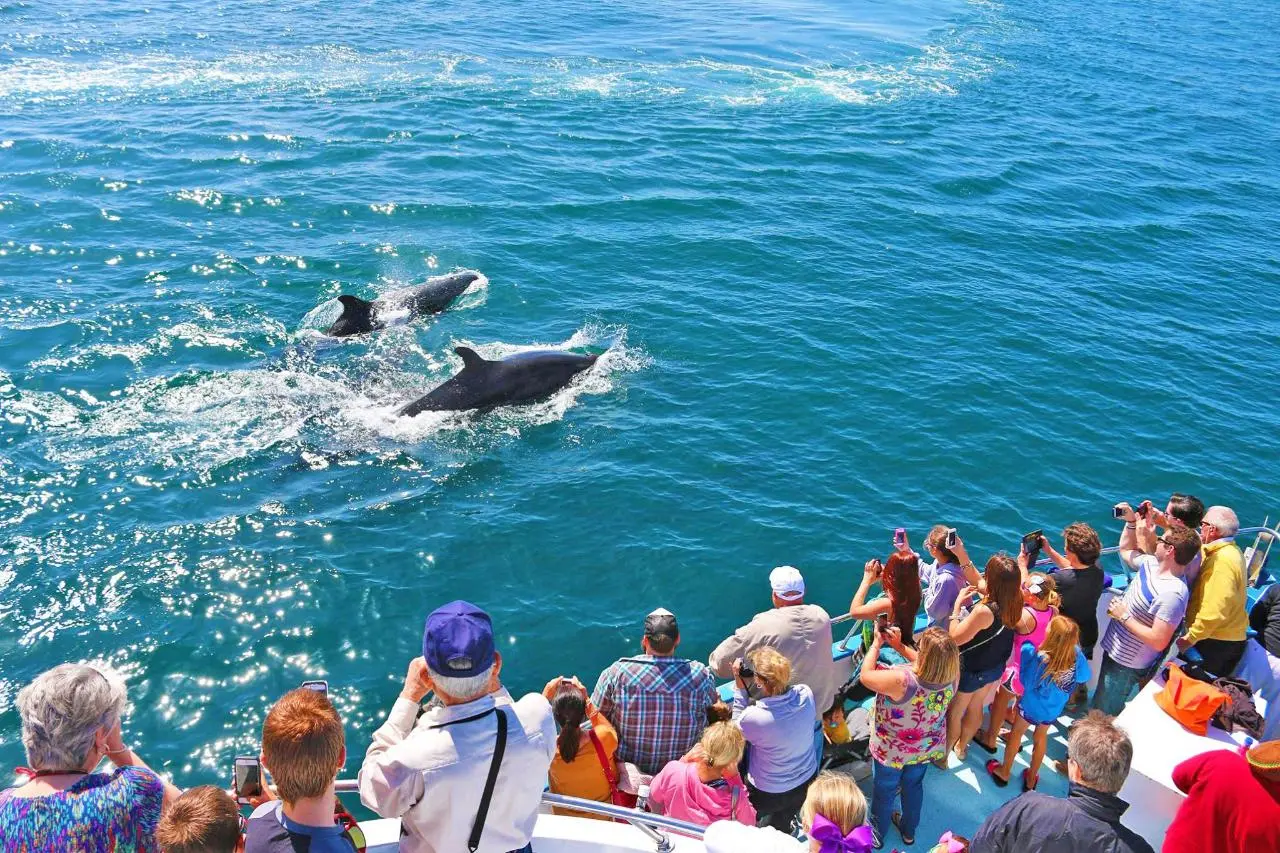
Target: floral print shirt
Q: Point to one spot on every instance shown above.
(100, 813)
(914, 729)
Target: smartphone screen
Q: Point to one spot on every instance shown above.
(1031, 542)
(899, 537)
(951, 537)
(317, 686)
(248, 777)
(1118, 511)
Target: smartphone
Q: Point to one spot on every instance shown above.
(317, 686)
(951, 538)
(1118, 511)
(900, 537)
(882, 622)
(1031, 542)
(248, 778)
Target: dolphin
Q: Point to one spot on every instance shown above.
(433, 296)
(482, 384)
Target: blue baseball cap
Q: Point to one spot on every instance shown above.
(458, 640)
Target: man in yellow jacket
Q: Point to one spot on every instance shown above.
(1216, 617)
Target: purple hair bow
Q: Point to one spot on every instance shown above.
(952, 845)
(828, 835)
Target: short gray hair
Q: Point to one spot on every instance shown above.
(463, 689)
(62, 711)
(1224, 518)
(1101, 750)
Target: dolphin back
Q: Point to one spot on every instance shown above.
(438, 293)
(523, 378)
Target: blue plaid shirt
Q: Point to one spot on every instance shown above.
(657, 704)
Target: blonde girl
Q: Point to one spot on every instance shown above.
(1040, 602)
(1049, 676)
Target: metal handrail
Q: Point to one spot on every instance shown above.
(646, 822)
(1273, 532)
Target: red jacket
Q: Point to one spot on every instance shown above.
(1227, 810)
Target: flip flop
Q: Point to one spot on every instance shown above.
(896, 818)
(992, 767)
(1025, 786)
(978, 739)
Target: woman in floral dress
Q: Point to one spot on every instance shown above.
(910, 728)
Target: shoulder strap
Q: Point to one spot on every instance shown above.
(610, 771)
(735, 793)
(477, 829)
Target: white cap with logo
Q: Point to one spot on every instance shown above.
(787, 583)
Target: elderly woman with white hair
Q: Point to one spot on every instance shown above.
(1216, 619)
(70, 722)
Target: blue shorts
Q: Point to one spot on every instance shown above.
(972, 682)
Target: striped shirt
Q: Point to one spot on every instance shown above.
(657, 704)
(1150, 596)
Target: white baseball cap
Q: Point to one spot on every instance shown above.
(787, 583)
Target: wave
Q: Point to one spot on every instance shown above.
(303, 406)
(930, 69)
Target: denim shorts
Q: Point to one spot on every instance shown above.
(971, 682)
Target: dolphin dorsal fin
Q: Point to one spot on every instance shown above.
(470, 358)
(354, 303)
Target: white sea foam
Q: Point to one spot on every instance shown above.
(933, 69)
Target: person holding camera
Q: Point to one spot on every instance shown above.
(1143, 621)
(910, 723)
(70, 722)
(985, 635)
(469, 772)
(777, 720)
(900, 578)
(304, 749)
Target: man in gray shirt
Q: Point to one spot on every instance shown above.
(801, 632)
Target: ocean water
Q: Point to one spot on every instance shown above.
(852, 266)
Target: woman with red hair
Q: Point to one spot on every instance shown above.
(900, 578)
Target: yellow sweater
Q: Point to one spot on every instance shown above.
(1217, 607)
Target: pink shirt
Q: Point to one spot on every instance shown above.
(678, 792)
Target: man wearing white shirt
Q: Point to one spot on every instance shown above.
(468, 774)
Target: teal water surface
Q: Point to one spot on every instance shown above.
(852, 266)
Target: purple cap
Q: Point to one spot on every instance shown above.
(458, 640)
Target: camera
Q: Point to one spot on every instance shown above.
(745, 670)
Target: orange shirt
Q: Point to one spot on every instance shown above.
(584, 776)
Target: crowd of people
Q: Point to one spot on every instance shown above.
(468, 770)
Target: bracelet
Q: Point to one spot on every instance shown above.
(1130, 526)
(117, 751)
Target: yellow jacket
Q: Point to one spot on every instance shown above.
(1217, 607)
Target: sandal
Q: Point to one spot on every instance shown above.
(980, 740)
(896, 818)
(1028, 786)
(992, 767)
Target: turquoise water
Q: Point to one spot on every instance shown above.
(852, 266)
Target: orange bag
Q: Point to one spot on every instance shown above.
(1189, 701)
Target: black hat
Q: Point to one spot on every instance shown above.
(661, 623)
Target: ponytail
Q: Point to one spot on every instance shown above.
(569, 709)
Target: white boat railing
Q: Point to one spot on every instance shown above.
(648, 823)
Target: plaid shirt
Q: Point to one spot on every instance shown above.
(657, 704)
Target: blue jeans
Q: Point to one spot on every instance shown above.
(1116, 683)
(884, 791)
